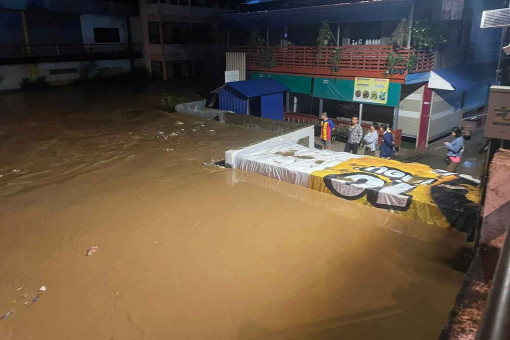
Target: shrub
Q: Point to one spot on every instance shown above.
(31, 85)
(171, 100)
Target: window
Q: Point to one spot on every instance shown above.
(202, 33)
(157, 69)
(63, 70)
(154, 37)
(175, 33)
(106, 35)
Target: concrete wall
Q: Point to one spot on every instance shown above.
(13, 74)
(496, 212)
(88, 22)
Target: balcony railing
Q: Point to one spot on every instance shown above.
(21, 52)
(363, 60)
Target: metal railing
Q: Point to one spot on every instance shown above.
(56, 50)
(496, 317)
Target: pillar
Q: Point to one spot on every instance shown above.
(360, 116)
(321, 106)
(395, 117)
(287, 101)
(338, 42)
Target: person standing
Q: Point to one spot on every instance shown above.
(327, 127)
(355, 136)
(371, 139)
(388, 143)
(455, 150)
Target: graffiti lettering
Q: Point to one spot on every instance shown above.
(379, 193)
(397, 175)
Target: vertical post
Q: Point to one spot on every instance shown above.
(161, 42)
(498, 71)
(360, 112)
(130, 44)
(321, 106)
(338, 35)
(267, 36)
(287, 101)
(395, 117)
(248, 107)
(58, 50)
(411, 18)
(26, 35)
(295, 104)
(228, 37)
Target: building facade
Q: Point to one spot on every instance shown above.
(426, 96)
(65, 42)
(183, 38)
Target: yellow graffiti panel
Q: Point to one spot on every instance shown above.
(435, 197)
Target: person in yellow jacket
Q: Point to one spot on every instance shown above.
(327, 127)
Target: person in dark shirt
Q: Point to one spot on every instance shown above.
(388, 143)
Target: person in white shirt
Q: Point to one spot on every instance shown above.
(371, 139)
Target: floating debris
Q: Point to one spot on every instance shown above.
(92, 250)
(218, 164)
(42, 289)
(16, 171)
(179, 123)
(7, 315)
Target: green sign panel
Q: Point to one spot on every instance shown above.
(343, 89)
(296, 84)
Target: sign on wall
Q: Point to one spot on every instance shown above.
(452, 9)
(371, 90)
(231, 76)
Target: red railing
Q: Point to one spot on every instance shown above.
(363, 60)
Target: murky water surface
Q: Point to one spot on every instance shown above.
(188, 251)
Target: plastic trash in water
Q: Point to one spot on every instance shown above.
(7, 315)
(92, 250)
(179, 123)
(42, 289)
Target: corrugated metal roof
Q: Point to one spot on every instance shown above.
(463, 78)
(364, 11)
(256, 87)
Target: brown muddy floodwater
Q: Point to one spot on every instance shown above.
(188, 251)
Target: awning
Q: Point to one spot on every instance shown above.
(296, 84)
(364, 11)
(462, 78)
(343, 90)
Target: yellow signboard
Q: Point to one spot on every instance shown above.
(415, 190)
(371, 90)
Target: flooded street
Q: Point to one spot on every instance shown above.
(188, 251)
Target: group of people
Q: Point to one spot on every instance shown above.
(356, 139)
(387, 148)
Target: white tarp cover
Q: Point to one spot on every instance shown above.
(287, 161)
(435, 197)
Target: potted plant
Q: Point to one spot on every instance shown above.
(325, 35)
(427, 35)
(264, 53)
(395, 63)
(335, 61)
(400, 35)
(411, 63)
